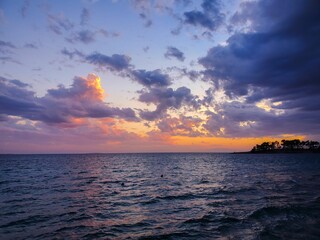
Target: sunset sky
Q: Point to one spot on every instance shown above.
(157, 75)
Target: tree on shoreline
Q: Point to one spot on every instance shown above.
(287, 146)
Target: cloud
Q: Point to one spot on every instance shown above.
(210, 17)
(3, 118)
(82, 88)
(150, 78)
(7, 59)
(173, 52)
(85, 16)
(116, 62)
(24, 8)
(184, 72)
(235, 119)
(165, 99)
(180, 126)
(6, 44)
(277, 60)
(148, 21)
(141, 5)
(6, 47)
(87, 36)
(72, 54)
(31, 46)
(176, 31)
(59, 23)
(146, 49)
(121, 64)
(19, 83)
(83, 99)
(170, 5)
(104, 32)
(15, 98)
(84, 36)
(101, 135)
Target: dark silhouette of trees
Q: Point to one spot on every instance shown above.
(287, 146)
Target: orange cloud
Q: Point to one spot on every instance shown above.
(94, 90)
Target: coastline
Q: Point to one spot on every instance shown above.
(279, 152)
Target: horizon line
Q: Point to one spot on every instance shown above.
(89, 153)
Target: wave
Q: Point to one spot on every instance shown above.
(80, 217)
(20, 200)
(98, 235)
(186, 196)
(290, 211)
(173, 235)
(27, 221)
(269, 211)
(151, 201)
(207, 218)
(210, 218)
(140, 224)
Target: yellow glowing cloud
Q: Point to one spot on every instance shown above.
(265, 105)
(94, 82)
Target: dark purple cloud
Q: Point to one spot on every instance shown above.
(150, 78)
(7, 50)
(279, 60)
(83, 36)
(235, 119)
(83, 99)
(121, 64)
(19, 83)
(6, 44)
(185, 72)
(276, 59)
(72, 54)
(173, 52)
(116, 62)
(210, 17)
(165, 99)
(16, 99)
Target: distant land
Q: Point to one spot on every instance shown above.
(286, 146)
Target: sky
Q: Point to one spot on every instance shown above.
(93, 76)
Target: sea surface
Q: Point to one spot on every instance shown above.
(160, 196)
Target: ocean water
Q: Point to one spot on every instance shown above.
(160, 196)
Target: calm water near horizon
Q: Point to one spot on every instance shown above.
(160, 196)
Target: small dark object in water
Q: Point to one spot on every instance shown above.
(122, 184)
(161, 175)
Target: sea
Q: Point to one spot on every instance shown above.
(160, 196)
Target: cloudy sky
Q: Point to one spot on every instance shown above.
(157, 75)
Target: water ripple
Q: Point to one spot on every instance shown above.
(160, 196)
